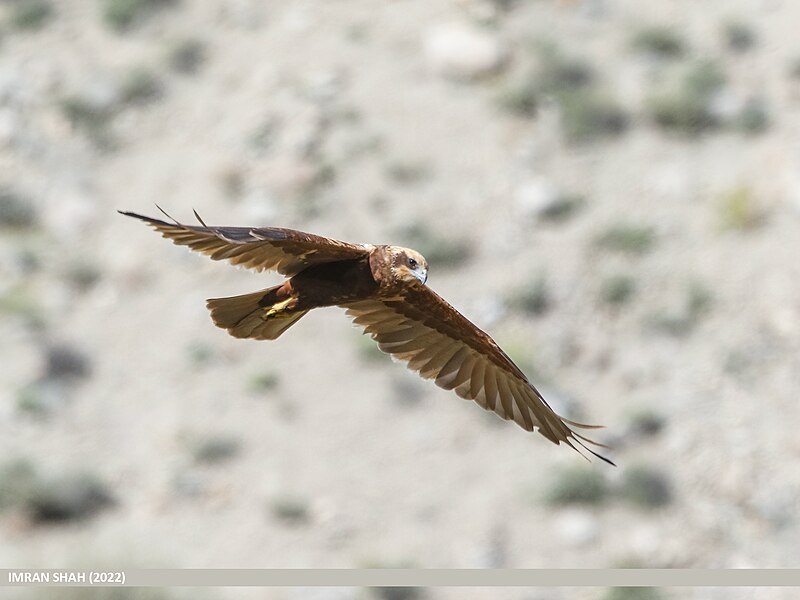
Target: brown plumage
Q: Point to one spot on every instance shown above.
(383, 289)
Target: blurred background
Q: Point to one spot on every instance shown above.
(610, 188)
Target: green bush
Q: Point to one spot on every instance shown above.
(141, 86)
(16, 210)
(738, 36)
(687, 109)
(216, 449)
(738, 209)
(66, 498)
(533, 298)
(520, 96)
(660, 41)
(646, 487)
(754, 117)
(123, 14)
(591, 116)
(577, 485)
(292, 510)
(626, 238)
(31, 14)
(617, 290)
(187, 56)
(633, 593)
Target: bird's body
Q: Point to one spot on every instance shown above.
(383, 288)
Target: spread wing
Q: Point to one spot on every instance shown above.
(434, 339)
(260, 248)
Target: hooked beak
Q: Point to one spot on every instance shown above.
(421, 275)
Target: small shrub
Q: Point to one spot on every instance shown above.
(577, 485)
(646, 423)
(646, 487)
(22, 303)
(291, 510)
(738, 210)
(754, 117)
(704, 78)
(31, 14)
(216, 449)
(199, 353)
(90, 117)
(121, 15)
(17, 480)
(617, 290)
(141, 86)
(633, 593)
(534, 298)
(264, 382)
(683, 113)
(562, 208)
(65, 362)
(626, 238)
(738, 36)
(82, 276)
(407, 173)
(560, 74)
(687, 109)
(399, 593)
(794, 68)
(591, 116)
(187, 56)
(682, 322)
(407, 389)
(67, 498)
(521, 96)
(34, 400)
(698, 299)
(16, 211)
(660, 41)
(232, 181)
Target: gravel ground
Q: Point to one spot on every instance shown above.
(611, 189)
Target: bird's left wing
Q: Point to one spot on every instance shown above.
(286, 251)
(421, 329)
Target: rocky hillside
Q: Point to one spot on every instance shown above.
(611, 189)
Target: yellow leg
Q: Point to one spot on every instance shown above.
(276, 309)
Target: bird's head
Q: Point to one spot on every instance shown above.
(409, 266)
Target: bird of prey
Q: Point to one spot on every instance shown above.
(383, 288)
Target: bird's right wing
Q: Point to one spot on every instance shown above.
(286, 251)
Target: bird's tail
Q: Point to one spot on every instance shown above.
(262, 315)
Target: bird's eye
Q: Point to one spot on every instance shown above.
(412, 263)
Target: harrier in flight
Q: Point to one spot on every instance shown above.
(383, 289)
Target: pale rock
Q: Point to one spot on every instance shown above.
(69, 211)
(726, 105)
(463, 52)
(9, 126)
(259, 208)
(536, 196)
(577, 528)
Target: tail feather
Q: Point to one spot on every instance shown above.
(258, 315)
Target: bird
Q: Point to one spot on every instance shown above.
(383, 288)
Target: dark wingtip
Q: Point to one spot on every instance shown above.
(144, 218)
(163, 212)
(592, 452)
(196, 216)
